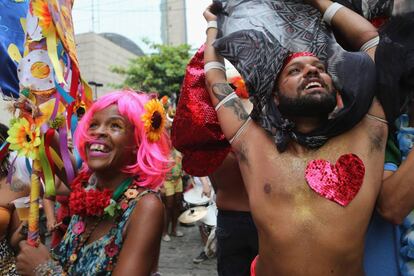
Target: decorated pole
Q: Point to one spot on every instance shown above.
(33, 231)
(51, 90)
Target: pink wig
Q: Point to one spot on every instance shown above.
(152, 157)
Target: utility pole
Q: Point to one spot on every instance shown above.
(93, 15)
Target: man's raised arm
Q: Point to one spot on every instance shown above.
(230, 111)
(358, 32)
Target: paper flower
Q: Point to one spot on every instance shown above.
(79, 228)
(24, 138)
(111, 249)
(124, 205)
(154, 119)
(241, 89)
(40, 9)
(131, 193)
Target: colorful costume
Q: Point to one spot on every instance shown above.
(98, 257)
(173, 183)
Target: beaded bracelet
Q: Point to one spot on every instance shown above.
(49, 268)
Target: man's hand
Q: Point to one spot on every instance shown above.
(208, 14)
(51, 224)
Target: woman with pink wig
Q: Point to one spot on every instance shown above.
(117, 219)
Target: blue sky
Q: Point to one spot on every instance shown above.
(136, 19)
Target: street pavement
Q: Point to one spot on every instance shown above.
(176, 258)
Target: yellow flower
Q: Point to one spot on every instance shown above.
(40, 9)
(24, 138)
(154, 119)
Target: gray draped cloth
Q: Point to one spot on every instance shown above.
(256, 37)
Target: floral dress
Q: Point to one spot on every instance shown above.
(100, 256)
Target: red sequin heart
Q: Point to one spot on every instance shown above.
(340, 182)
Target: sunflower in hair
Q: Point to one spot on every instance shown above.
(154, 119)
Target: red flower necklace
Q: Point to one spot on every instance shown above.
(89, 201)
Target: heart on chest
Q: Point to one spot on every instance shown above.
(339, 182)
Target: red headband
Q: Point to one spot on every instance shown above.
(292, 56)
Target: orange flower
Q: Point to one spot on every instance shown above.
(241, 89)
(40, 9)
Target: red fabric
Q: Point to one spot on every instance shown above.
(295, 55)
(73, 92)
(196, 132)
(253, 266)
(379, 21)
(4, 152)
(61, 213)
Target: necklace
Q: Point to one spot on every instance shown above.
(122, 193)
(89, 201)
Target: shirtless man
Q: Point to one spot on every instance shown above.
(237, 243)
(300, 231)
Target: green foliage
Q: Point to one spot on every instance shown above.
(162, 71)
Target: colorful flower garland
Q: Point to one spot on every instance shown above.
(92, 202)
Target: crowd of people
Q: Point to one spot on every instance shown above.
(311, 176)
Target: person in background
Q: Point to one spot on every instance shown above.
(10, 224)
(172, 191)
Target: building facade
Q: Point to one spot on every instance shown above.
(97, 53)
(173, 22)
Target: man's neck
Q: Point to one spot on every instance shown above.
(304, 125)
(307, 124)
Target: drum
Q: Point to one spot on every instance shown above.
(194, 197)
(210, 218)
(192, 215)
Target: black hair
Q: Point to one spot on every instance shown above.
(4, 164)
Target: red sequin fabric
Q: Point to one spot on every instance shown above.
(340, 182)
(196, 132)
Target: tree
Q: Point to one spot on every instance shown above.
(162, 71)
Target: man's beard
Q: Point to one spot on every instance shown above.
(307, 105)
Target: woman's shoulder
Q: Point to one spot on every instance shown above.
(148, 212)
(148, 200)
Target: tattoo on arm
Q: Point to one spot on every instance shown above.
(222, 90)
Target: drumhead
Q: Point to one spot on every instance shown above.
(211, 217)
(193, 196)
